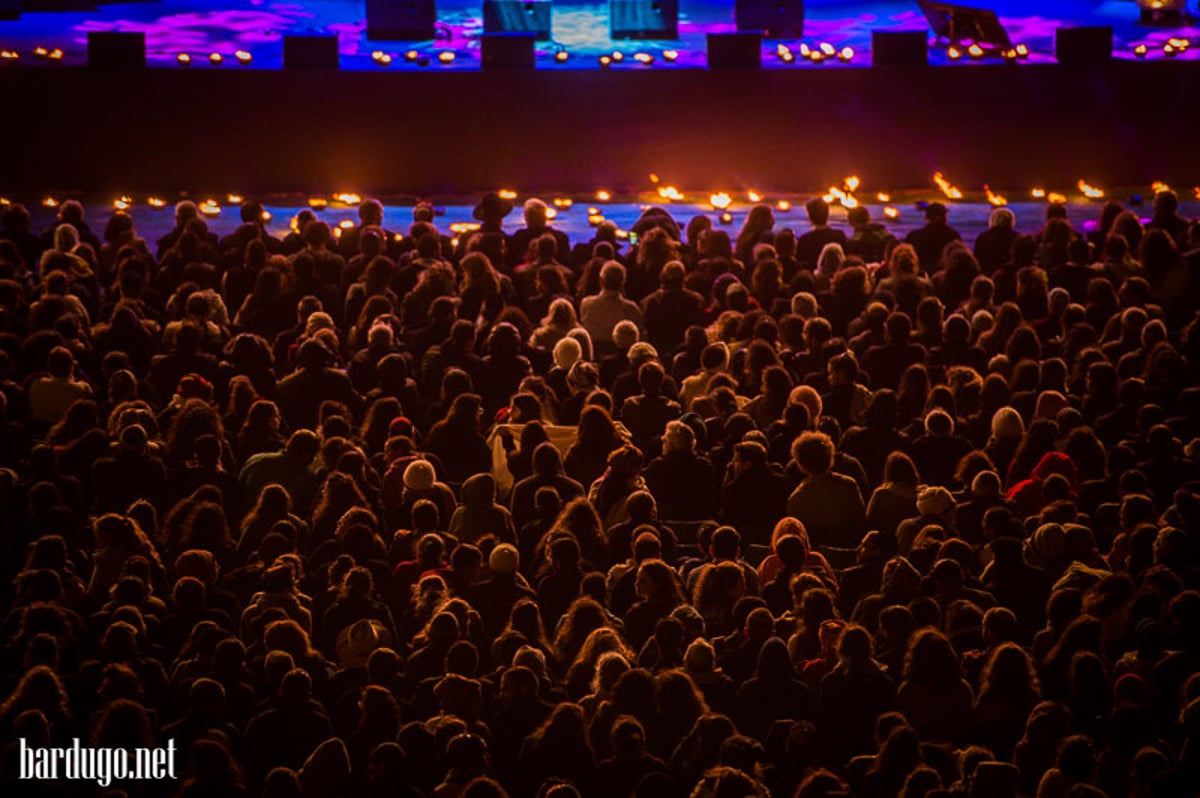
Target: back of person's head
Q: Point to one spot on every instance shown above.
(467, 751)
(650, 378)
(939, 423)
(792, 551)
(281, 782)
(752, 453)
(60, 362)
(646, 544)
(726, 542)
(858, 216)
(899, 328)
(672, 275)
(759, 623)
(296, 686)
(504, 559)
(854, 644)
(625, 334)
(612, 276)
(1166, 202)
(818, 210)
(813, 452)
(547, 460)
(628, 737)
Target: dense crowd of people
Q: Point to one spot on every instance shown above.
(820, 512)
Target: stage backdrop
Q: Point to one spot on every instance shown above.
(258, 131)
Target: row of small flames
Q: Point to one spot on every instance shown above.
(846, 195)
(817, 54)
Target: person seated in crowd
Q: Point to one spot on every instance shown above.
(932, 239)
(810, 245)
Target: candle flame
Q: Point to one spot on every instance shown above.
(946, 187)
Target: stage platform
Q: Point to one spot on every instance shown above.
(580, 28)
(261, 131)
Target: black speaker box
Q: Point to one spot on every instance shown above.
(899, 48)
(517, 16)
(644, 19)
(1081, 46)
(774, 19)
(506, 50)
(55, 5)
(310, 52)
(121, 50)
(401, 20)
(734, 50)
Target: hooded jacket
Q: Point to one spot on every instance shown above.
(479, 514)
(1028, 492)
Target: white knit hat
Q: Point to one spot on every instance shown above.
(419, 475)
